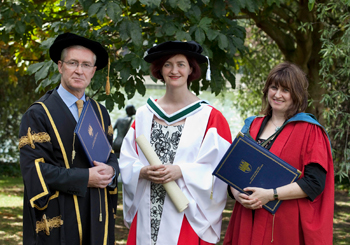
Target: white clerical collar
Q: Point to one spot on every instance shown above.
(176, 116)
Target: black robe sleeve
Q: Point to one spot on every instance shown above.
(41, 163)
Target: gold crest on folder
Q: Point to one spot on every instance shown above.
(245, 167)
(91, 131)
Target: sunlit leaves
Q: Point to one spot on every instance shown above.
(94, 8)
(184, 5)
(127, 29)
(35, 67)
(311, 4)
(43, 71)
(335, 66)
(70, 3)
(113, 11)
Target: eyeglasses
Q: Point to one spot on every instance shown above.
(74, 65)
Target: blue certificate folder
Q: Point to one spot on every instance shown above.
(248, 164)
(92, 135)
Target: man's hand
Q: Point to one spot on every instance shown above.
(100, 175)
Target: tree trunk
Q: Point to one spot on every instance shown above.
(299, 46)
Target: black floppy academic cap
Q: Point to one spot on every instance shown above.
(190, 48)
(69, 39)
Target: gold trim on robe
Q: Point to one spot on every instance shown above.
(47, 224)
(75, 198)
(110, 130)
(32, 138)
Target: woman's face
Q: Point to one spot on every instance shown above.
(279, 98)
(176, 70)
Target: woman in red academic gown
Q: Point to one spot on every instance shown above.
(306, 213)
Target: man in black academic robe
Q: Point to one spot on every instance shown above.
(66, 201)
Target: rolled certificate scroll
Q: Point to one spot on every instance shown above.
(176, 195)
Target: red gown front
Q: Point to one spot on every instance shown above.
(187, 234)
(298, 221)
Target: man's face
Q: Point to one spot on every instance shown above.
(76, 78)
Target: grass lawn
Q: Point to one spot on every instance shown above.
(11, 202)
(11, 198)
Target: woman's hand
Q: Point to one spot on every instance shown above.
(263, 195)
(161, 174)
(245, 200)
(260, 196)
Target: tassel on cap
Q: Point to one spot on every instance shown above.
(108, 85)
(208, 75)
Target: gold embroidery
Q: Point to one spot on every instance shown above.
(110, 130)
(32, 138)
(47, 224)
(115, 191)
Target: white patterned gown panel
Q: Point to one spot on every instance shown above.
(164, 141)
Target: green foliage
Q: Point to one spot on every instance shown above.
(294, 29)
(16, 93)
(127, 29)
(262, 55)
(335, 70)
(10, 169)
(314, 36)
(277, 30)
